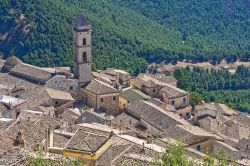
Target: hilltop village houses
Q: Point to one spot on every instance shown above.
(107, 117)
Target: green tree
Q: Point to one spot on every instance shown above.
(40, 160)
(195, 99)
(175, 156)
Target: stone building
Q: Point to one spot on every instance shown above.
(204, 110)
(193, 137)
(149, 118)
(82, 50)
(148, 84)
(61, 82)
(57, 98)
(175, 96)
(101, 96)
(12, 107)
(121, 76)
(102, 145)
(162, 88)
(106, 78)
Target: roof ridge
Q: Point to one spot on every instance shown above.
(169, 114)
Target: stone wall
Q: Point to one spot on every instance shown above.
(84, 72)
(184, 113)
(89, 98)
(109, 103)
(122, 103)
(79, 36)
(153, 91)
(178, 102)
(106, 102)
(205, 146)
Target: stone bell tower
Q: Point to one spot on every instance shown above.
(82, 50)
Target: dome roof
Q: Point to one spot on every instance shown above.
(11, 62)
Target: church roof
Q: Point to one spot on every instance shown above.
(81, 20)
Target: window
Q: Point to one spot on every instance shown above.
(84, 57)
(184, 100)
(114, 98)
(153, 90)
(101, 99)
(172, 102)
(198, 147)
(84, 41)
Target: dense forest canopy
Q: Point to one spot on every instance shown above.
(218, 85)
(128, 34)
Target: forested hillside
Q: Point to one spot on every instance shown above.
(127, 33)
(218, 85)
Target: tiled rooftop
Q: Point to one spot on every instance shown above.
(35, 94)
(173, 92)
(133, 94)
(155, 115)
(99, 87)
(205, 106)
(89, 141)
(31, 72)
(59, 95)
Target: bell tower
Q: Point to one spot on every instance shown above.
(82, 50)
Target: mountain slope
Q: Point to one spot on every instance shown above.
(126, 33)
